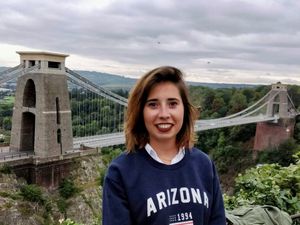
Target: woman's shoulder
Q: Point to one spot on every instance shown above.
(200, 156)
(124, 164)
(125, 160)
(199, 153)
(203, 161)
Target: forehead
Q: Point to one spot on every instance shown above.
(164, 90)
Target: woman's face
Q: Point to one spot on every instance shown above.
(163, 113)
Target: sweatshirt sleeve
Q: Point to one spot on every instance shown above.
(218, 212)
(115, 210)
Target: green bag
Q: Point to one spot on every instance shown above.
(258, 215)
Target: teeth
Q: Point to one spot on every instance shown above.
(164, 126)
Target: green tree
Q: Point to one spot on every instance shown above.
(242, 133)
(6, 123)
(249, 93)
(218, 105)
(237, 103)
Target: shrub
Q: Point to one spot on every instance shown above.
(269, 184)
(108, 154)
(62, 205)
(6, 169)
(32, 193)
(102, 173)
(67, 188)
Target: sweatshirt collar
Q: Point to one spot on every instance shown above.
(177, 158)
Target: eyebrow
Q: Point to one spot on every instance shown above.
(169, 99)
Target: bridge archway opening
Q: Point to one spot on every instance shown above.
(58, 133)
(29, 96)
(27, 132)
(275, 109)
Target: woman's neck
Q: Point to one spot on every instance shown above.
(165, 151)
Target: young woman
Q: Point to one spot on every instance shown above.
(161, 179)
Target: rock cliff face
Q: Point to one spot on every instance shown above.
(83, 207)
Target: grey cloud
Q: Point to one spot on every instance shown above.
(239, 35)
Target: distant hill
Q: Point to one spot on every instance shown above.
(221, 85)
(3, 68)
(112, 81)
(107, 80)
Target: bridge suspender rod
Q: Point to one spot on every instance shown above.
(232, 119)
(257, 109)
(292, 103)
(18, 71)
(243, 111)
(254, 111)
(10, 74)
(107, 92)
(11, 70)
(94, 89)
(97, 89)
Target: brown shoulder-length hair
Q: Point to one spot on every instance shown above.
(136, 133)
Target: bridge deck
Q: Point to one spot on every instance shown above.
(200, 125)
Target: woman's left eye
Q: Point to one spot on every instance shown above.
(173, 104)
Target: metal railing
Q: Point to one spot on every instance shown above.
(16, 155)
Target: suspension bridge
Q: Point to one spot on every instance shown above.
(57, 111)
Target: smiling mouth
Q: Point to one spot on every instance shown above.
(164, 127)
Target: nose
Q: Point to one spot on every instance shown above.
(164, 112)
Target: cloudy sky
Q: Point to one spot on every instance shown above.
(229, 41)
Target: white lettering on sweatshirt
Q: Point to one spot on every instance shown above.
(174, 196)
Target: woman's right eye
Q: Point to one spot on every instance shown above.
(152, 104)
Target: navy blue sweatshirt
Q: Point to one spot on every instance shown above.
(141, 191)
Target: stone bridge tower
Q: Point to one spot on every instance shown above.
(270, 134)
(41, 120)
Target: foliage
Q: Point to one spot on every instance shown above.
(108, 154)
(13, 196)
(237, 103)
(229, 156)
(297, 130)
(228, 147)
(208, 140)
(269, 184)
(32, 193)
(242, 133)
(6, 106)
(67, 188)
(294, 93)
(281, 154)
(6, 169)
(225, 101)
(68, 222)
(71, 222)
(62, 205)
